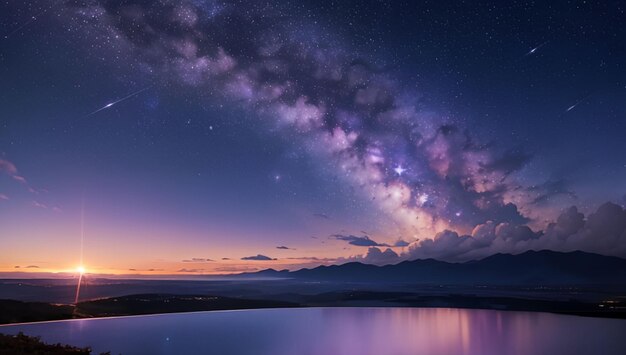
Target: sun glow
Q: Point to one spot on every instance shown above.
(81, 270)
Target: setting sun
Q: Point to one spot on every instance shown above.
(81, 270)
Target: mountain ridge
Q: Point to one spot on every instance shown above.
(530, 267)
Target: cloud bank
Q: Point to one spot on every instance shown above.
(602, 232)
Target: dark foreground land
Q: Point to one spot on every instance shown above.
(23, 344)
(20, 312)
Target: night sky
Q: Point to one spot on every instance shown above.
(199, 136)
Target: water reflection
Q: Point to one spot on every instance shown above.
(341, 331)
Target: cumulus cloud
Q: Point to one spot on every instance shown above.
(603, 232)
(376, 256)
(363, 241)
(258, 257)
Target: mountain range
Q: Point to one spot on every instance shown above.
(528, 268)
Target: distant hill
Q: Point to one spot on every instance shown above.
(531, 267)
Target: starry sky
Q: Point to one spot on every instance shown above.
(205, 136)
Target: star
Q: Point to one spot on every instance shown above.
(399, 170)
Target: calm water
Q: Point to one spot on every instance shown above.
(337, 331)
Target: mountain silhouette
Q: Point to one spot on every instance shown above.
(531, 267)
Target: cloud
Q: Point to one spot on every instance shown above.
(7, 167)
(226, 259)
(10, 169)
(39, 205)
(602, 232)
(190, 270)
(363, 241)
(376, 256)
(312, 258)
(284, 247)
(4, 197)
(257, 257)
(236, 269)
(401, 243)
(197, 260)
(550, 189)
(21, 180)
(509, 162)
(32, 267)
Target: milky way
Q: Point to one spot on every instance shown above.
(450, 191)
(344, 109)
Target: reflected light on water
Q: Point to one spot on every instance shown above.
(341, 331)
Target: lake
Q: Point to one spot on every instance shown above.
(338, 331)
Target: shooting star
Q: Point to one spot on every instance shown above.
(111, 104)
(31, 20)
(534, 50)
(577, 103)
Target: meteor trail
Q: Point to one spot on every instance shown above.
(31, 20)
(576, 104)
(534, 50)
(110, 104)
